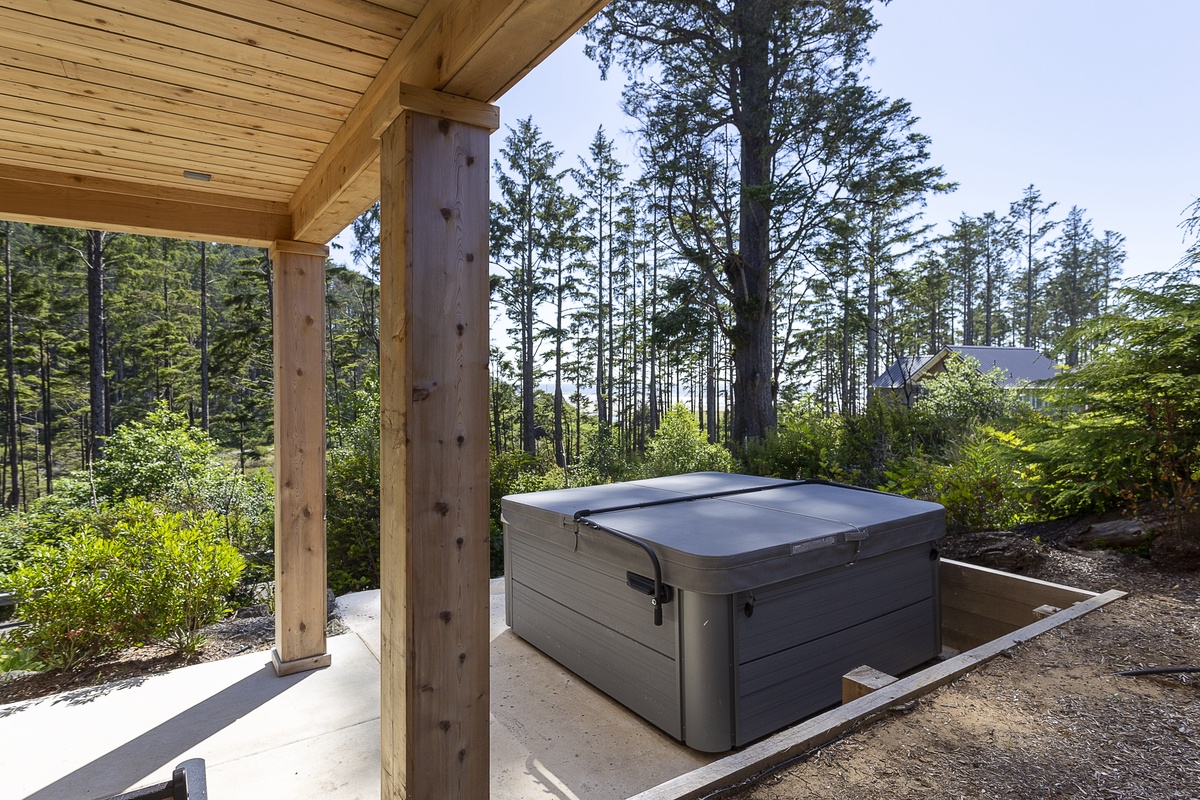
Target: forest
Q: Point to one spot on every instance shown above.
(723, 303)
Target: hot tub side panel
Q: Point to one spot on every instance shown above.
(579, 611)
(801, 636)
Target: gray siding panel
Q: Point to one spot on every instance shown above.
(779, 689)
(594, 589)
(603, 635)
(793, 612)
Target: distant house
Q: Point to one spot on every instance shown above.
(1022, 368)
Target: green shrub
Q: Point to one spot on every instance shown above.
(76, 600)
(680, 446)
(50, 518)
(352, 497)
(152, 576)
(804, 445)
(188, 570)
(979, 485)
(160, 455)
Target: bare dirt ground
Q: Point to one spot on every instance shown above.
(1051, 721)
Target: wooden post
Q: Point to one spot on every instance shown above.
(300, 573)
(434, 458)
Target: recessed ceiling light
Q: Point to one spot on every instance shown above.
(196, 176)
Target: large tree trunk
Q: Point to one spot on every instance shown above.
(204, 336)
(560, 456)
(13, 416)
(97, 388)
(47, 418)
(749, 274)
(528, 427)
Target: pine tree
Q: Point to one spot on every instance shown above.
(519, 247)
(765, 82)
(1032, 218)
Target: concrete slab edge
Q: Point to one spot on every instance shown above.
(778, 750)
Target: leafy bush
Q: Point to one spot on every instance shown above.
(352, 497)
(152, 576)
(884, 435)
(50, 518)
(153, 458)
(680, 446)
(805, 445)
(979, 486)
(76, 600)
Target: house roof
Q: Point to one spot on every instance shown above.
(244, 121)
(1019, 365)
(901, 372)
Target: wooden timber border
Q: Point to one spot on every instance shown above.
(988, 610)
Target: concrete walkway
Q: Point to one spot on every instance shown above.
(316, 734)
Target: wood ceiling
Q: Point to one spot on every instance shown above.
(244, 121)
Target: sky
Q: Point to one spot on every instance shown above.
(1093, 102)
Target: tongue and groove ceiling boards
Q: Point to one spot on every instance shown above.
(246, 121)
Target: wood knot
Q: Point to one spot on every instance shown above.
(446, 616)
(444, 724)
(460, 328)
(462, 658)
(444, 125)
(470, 258)
(441, 507)
(462, 754)
(461, 440)
(459, 542)
(423, 390)
(447, 213)
(470, 160)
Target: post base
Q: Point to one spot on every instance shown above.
(299, 664)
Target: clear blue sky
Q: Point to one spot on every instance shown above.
(1093, 102)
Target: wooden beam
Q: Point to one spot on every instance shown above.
(445, 106)
(300, 574)
(434, 534)
(40, 196)
(980, 604)
(470, 48)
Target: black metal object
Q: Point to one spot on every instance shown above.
(188, 782)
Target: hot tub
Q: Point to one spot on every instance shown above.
(721, 607)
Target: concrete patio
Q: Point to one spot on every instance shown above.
(316, 734)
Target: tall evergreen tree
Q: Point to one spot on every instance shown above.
(519, 247)
(769, 77)
(97, 342)
(13, 496)
(998, 243)
(1074, 289)
(1031, 216)
(599, 181)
